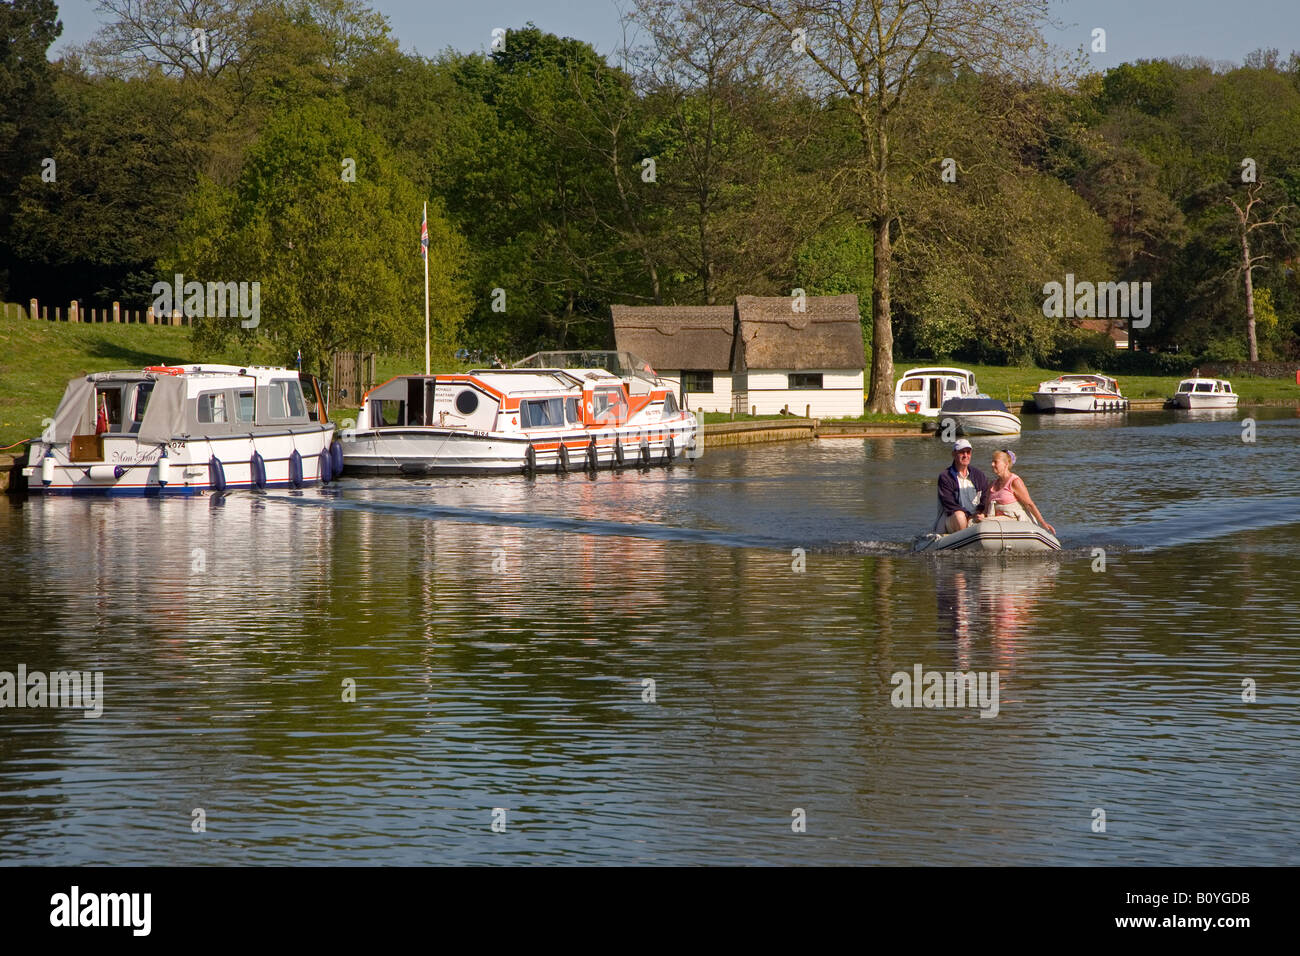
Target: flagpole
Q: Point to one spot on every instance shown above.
(426, 296)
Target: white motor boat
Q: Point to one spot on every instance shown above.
(184, 430)
(923, 391)
(1080, 393)
(980, 416)
(1205, 393)
(991, 534)
(555, 411)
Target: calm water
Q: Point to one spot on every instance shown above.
(499, 632)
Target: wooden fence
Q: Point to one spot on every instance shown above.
(75, 312)
(353, 374)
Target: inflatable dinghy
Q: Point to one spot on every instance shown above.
(991, 534)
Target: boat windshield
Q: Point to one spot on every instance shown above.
(625, 365)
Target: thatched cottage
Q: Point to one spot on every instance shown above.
(763, 354)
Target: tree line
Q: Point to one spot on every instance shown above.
(936, 158)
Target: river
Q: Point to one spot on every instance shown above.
(688, 665)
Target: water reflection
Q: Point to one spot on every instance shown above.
(991, 604)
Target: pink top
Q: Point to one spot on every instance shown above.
(1006, 496)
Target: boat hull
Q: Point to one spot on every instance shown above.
(1194, 400)
(131, 468)
(985, 423)
(1051, 402)
(440, 451)
(992, 535)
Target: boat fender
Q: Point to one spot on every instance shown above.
(47, 468)
(258, 467)
(216, 474)
(643, 454)
(324, 465)
(102, 472)
(336, 459)
(593, 456)
(562, 460)
(619, 455)
(530, 460)
(295, 469)
(672, 449)
(164, 468)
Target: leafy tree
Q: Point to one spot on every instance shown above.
(338, 260)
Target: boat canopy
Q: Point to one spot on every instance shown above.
(974, 405)
(624, 364)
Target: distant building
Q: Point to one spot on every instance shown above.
(760, 354)
(689, 345)
(1115, 329)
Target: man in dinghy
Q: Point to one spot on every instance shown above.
(963, 488)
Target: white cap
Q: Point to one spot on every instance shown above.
(960, 445)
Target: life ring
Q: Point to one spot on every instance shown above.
(562, 460)
(165, 369)
(257, 466)
(913, 407)
(295, 469)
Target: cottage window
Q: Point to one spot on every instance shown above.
(805, 380)
(697, 380)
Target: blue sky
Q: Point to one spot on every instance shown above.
(1217, 29)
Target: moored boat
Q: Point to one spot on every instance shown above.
(555, 411)
(183, 430)
(980, 416)
(923, 391)
(1080, 393)
(991, 534)
(1205, 393)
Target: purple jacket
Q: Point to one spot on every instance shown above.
(950, 496)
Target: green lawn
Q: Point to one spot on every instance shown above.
(1019, 384)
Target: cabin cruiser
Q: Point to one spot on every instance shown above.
(1080, 393)
(1204, 393)
(923, 391)
(980, 416)
(992, 534)
(554, 411)
(184, 430)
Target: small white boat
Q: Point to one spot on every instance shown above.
(991, 534)
(1080, 393)
(923, 391)
(184, 430)
(1205, 393)
(980, 416)
(554, 411)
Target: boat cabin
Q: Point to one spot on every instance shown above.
(1207, 386)
(922, 391)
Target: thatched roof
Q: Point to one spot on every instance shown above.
(828, 335)
(677, 337)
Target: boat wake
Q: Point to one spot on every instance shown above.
(1197, 520)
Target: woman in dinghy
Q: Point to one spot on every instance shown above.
(1008, 495)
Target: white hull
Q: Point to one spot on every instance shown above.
(431, 451)
(132, 468)
(992, 534)
(1198, 400)
(985, 423)
(1073, 402)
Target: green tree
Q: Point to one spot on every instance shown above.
(338, 259)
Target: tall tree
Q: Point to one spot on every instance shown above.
(870, 52)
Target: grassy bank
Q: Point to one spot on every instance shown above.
(1019, 384)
